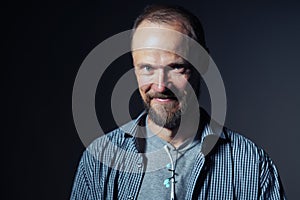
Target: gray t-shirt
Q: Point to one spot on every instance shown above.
(160, 156)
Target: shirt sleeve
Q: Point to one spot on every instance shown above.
(270, 183)
(81, 186)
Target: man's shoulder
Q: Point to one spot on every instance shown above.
(243, 146)
(107, 147)
(118, 136)
(238, 139)
(115, 137)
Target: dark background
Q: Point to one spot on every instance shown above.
(255, 45)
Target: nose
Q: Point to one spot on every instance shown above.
(161, 81)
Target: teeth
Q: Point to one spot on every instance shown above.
(159, 99)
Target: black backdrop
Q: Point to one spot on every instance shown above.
(255, 45)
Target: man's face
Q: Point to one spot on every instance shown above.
(162, 77)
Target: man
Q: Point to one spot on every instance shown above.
(165, 153)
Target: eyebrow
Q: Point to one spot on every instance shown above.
(181, 64)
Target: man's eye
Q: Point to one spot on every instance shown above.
(179, 69)
(147, 67)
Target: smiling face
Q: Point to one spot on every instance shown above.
(163, 76)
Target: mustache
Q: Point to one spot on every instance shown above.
(168, 94)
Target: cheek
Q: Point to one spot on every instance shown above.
(180, 83)
(143, 87)
(144, 83)
(143, 90)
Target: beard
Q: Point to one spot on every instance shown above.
(169, 114)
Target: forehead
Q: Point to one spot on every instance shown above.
(155, 57)
(159, 41)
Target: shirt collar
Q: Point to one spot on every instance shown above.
(207, 127)
(131, 127)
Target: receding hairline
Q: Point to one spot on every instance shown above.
(165, 15)
(174, 25)
(170, 15)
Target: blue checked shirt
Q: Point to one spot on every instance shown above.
(113, 168)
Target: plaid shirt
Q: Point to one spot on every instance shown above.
(113, 168)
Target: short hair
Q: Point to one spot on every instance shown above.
(169, 14)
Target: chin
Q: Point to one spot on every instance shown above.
(164, 117)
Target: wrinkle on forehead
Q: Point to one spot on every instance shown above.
(156, 57)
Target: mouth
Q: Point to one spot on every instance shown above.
(164, 99)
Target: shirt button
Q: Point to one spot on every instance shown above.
(130, 197)
(139, 165)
